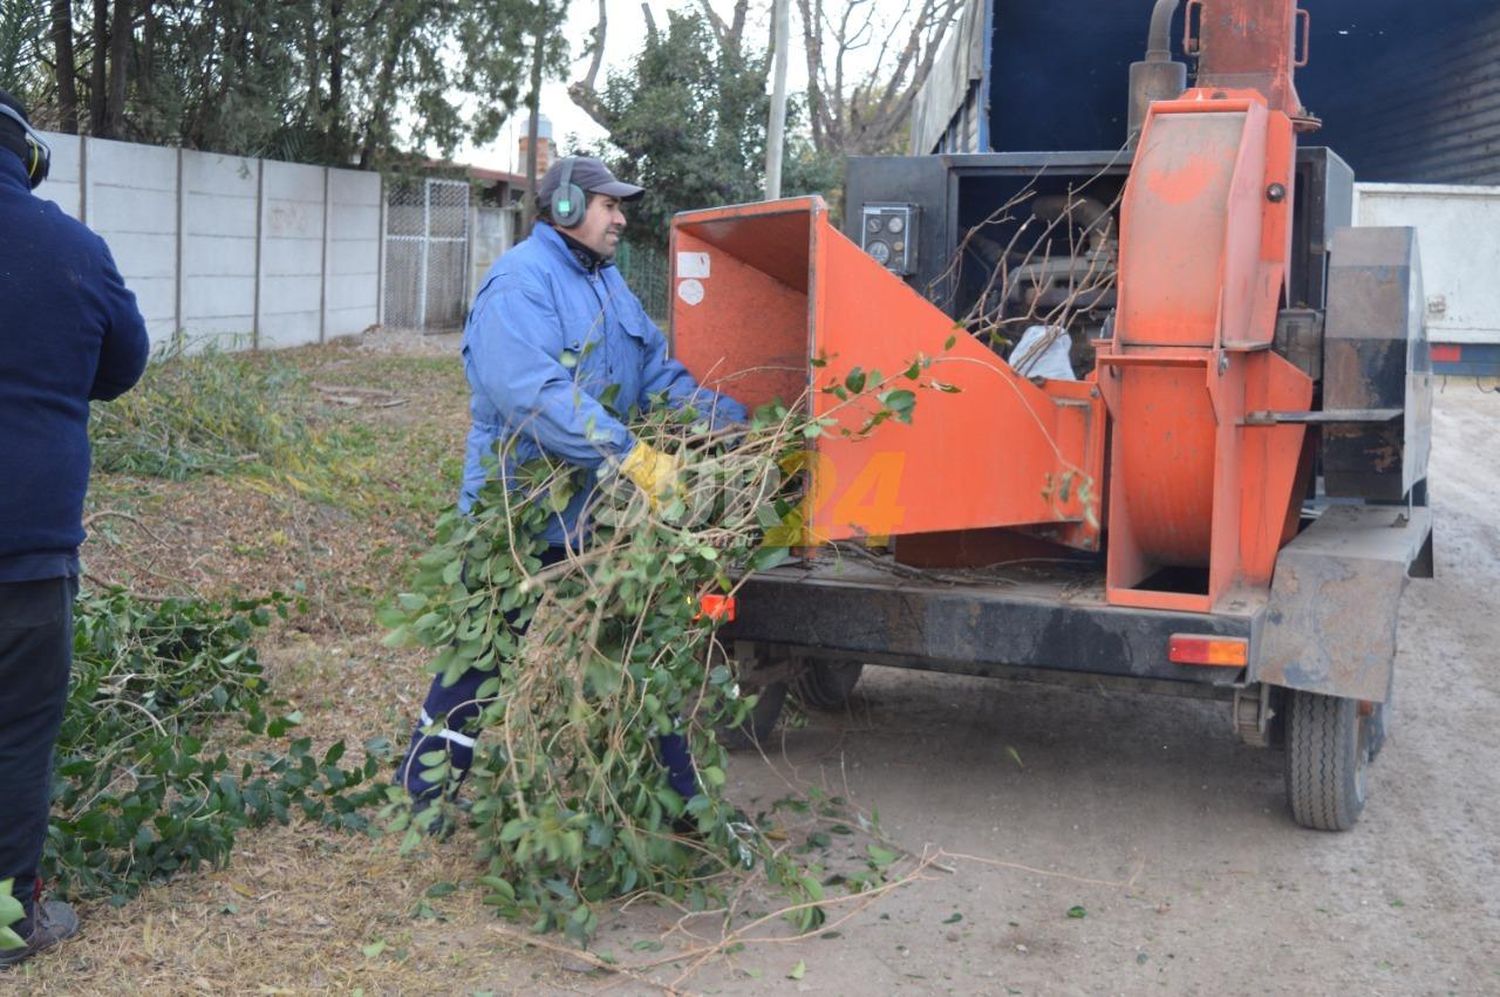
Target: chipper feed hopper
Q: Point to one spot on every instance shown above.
(1228, 499)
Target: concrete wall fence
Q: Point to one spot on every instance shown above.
(248, 252)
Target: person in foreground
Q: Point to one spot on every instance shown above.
(556, 350)
(70, 332)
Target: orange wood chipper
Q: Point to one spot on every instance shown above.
(1225, 498)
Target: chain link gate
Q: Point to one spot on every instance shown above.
(427, 255)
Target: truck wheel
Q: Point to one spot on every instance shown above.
(826, 685)
(757, 728)
(1327, 756)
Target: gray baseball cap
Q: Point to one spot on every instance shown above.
(589, 174)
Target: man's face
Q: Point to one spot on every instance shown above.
(603, 222)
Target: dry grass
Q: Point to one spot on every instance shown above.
(300, 909)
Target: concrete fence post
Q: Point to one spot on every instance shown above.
(380, 258)
(260, 245)
(327, 217)
(178, 332)
(83, 179)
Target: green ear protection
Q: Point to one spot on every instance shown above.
(569, 202)
(39, 160)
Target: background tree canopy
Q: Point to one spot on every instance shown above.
(687, 121)
(354, 82)
(322, 81)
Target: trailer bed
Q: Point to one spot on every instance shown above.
(1029, 615)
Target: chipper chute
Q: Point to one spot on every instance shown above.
(773, 303)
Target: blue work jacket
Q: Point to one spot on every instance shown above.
(557, 354)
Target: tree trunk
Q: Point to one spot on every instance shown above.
(312, 52)
(98, 63)
(120, 37)
(67, 87)
(145, 78)
(533, 104)
(333, 111)
(377, 125)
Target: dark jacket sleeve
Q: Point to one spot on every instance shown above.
(123, 353)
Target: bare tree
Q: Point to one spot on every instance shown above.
(98, 69)
(867, 110)
(119, 61)
(67, 90)
(730, 34)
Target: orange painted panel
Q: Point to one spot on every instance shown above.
(1173, 222)
(739, 329)
(1272, 456)
(1198, 501)
(984, 456)
(999, 451)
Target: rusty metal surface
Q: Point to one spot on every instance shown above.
(1331, 622)
(1375, 356)
(1299, 338)
(1250, 45)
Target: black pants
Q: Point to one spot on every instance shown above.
(36, 653)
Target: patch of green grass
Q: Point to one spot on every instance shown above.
(207, 413)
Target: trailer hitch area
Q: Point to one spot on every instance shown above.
(1252, 714)
(760, 665)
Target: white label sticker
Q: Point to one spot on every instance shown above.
(690, 291)
(692, 265)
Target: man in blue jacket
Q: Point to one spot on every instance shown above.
(70, 332)
(556, 350)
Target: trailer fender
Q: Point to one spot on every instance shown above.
(1330, 625)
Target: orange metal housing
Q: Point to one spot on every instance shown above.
(771, 302)
(1200, 502)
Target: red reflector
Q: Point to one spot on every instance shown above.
(1446, 352)
(1218, 652)
(719, 608)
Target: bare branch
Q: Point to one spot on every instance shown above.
(737, 28)
(721, 30)
(862, 114)
(591, 78)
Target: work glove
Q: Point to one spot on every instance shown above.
(653, 472)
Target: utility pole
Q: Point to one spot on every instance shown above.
(776, 130)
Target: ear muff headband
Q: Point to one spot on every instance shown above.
(569, 202)
(41, 152)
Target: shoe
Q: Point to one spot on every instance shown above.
(434, 819)
(52, 921)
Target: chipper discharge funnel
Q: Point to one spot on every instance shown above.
(771, 302)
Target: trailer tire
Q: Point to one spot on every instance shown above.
(1327, 757)
(827, 685)
(756, 730)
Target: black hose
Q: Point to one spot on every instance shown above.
(1159, 43)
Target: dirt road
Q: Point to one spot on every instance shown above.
(1225, 895)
